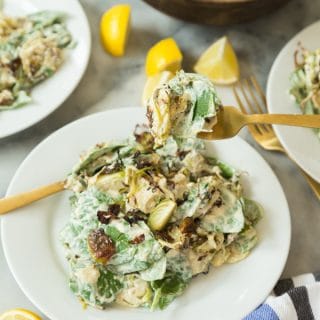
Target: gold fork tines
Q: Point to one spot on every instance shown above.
(251, 99)
(254, 101)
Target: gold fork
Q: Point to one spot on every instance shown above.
(255, 100)
(231, 120)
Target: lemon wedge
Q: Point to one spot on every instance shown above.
(154, 82)
(19, 314)
(164, 55)
(114, 29)
(219, 63)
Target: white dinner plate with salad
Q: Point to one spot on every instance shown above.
(302, 144)
(36, 257)
(41, 75)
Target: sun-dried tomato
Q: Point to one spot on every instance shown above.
(100, 246)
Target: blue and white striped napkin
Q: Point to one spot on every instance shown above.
(297, 298)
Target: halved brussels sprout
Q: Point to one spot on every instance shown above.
(161, 215)
(252, 210)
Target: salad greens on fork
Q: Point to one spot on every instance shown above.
(152, 212)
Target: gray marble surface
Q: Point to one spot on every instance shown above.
(115, 83)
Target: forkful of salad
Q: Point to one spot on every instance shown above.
(188, 105)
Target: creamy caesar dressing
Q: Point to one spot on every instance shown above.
(150, 213)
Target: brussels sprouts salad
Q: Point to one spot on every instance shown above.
(305, 83)
(31, 50)
(152, 212)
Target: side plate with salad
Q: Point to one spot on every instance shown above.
(289, 87)
(57, 65)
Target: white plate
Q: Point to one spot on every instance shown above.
(302, 144)
(36, 259)
(51, 93)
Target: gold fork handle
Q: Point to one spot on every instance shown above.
(14, 202)
(309, 121)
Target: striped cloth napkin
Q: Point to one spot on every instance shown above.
(297, 298)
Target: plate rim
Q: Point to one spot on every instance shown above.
(123, 109)
(72, 89)
(269, 94)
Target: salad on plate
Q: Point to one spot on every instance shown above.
(150, 213)
(305, 82)
(31, 50)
